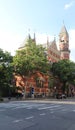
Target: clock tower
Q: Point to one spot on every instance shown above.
(64, 44)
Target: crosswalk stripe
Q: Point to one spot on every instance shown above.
(58, 108)
(73, 110)
(38, 106)
(16, 121)
(30, 117)
(43, 108)
(27, 106)
(42, 114)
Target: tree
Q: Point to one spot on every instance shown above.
(30, 59)
(65, 70)
(6, 71)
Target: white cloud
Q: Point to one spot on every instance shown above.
(67, 6)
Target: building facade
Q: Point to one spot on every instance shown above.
(54, 54)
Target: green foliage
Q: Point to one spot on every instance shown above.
(65, 70)
(30, 58)
(6, 71)
(51, 82)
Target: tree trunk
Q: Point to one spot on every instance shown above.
(64, 87)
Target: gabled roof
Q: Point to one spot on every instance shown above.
(53, 44)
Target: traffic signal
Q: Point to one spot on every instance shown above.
(32, 90)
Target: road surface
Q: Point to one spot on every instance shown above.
(28, 115)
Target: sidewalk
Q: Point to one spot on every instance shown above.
(69, 100)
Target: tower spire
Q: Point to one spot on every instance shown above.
(64, 43)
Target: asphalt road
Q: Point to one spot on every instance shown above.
(28, 115)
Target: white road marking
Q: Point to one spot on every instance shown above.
(55, 109)
(43, 108)
(64, 110)
(20, 106)
(42, 114)
(73, 110)
(27, 106)
(16, 121)
(30, 117)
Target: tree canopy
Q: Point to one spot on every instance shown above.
(6, 70)
(31, 58)
(65, 70)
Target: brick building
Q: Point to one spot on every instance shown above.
(54, 54)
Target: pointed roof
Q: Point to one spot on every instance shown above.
(63, 31)
(53, 44)
(25, 41)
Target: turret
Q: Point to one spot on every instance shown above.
(64, 43)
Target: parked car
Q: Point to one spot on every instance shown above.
(60, 96)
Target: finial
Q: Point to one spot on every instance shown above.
(54, 38)
(47, 39)
(29, 33)
(34, 38)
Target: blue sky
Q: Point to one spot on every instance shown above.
(44, 17)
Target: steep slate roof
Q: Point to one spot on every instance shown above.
(63, 31)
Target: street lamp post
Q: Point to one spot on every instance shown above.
(24, 91)
(10, 91)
